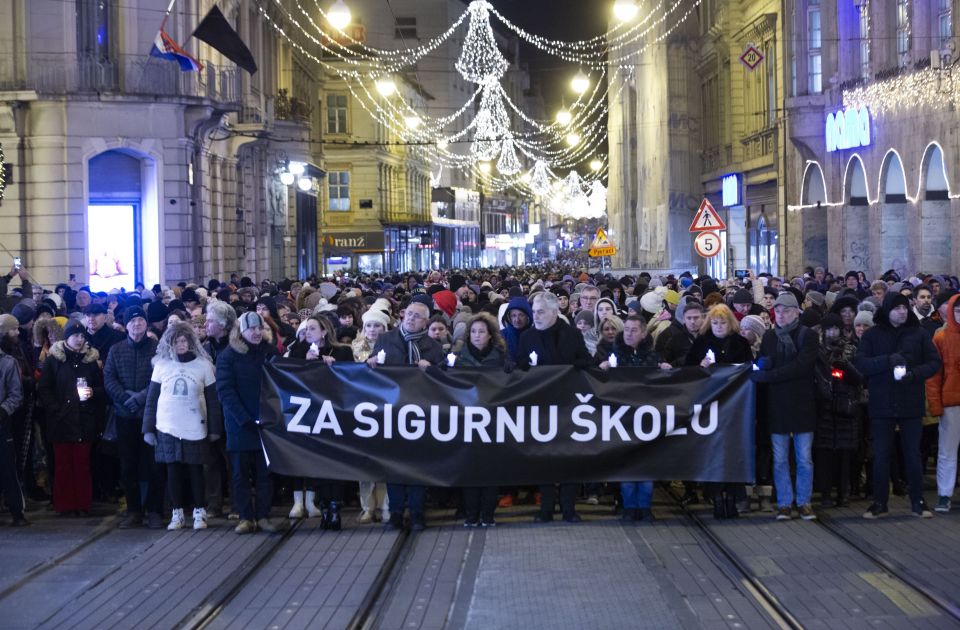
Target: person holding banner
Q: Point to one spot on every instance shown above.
(374, 503)
(484, 347)
(408, 345)
(238, 384)
(634, 348)
(551, 341)
(320, 344)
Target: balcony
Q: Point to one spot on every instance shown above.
(133, 75)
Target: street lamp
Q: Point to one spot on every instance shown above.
(580, 83)
(297, 168)
(625, 10)
(564, 117)
(339, 15)
(286, 178)
(595, 165)
(305, 183)
(386, 86)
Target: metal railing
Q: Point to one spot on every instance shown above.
(140, 75)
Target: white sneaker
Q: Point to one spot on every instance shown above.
(310, 503)
(298, 510)
(199, 518)
(366, 517)
(176, 521)
(385, 516)
(593, 500)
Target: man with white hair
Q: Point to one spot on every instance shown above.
(221, 318)
(555, 343)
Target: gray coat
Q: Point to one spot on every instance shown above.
(11, 389)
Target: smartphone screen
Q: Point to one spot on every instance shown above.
(16, 262)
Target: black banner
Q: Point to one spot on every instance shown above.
(474, 427)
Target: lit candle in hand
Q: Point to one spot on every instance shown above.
(612, 360)
(381, 357)
(451, 359)
(533, 357)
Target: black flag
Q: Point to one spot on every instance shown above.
(216, 31)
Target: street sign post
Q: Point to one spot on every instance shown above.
(707, 244)
(707, 219)
(601, 245)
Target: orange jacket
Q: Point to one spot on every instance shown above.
(943, 388)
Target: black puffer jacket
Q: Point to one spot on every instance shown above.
(839, 392)
(890, 398)
(627, 356)
(128, 369)
(68, 419)
(788, 386)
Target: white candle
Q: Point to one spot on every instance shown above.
(612, 360)
(451, 359)
(899, 372)
(533, 357)
(381, 357)
(711, 357)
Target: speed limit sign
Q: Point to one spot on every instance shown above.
(707, 244)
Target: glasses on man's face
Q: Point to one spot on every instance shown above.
(415, 316)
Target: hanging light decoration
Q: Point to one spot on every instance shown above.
(339, 15)
(508, 163)
(540, 180)
(595, 165)
(386, 86)
(413, 122)
(564, 117)
(598, 200)
(625, 10)
(480, 59)
(573, 139)
(580, 83)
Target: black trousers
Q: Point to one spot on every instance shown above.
(479, 503)
(9, 482)
(884, 430)
(179, 473)
(142, 477)
(831, 469)
(568, 499)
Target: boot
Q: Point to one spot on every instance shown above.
(310, 504)
(629, 515)
(176, 521)
(331, 517)
(298, 511)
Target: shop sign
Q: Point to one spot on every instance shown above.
(355, 241)
(731, 190)
(848, 129)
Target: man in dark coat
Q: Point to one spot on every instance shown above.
(408, 344)
(786, 362)
(896, 357)
(126, 377)
(11, 397)
(221, 319)
(99, 335)
(238, 384)
(555, 343)
(674, 342)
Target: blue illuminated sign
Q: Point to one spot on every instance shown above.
(848, 129)
(731, 190)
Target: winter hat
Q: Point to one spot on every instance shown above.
(742, 296)
(634, 305)
(754, 324)
(786, 299)
(651, 302)
(189, 295)
(376, 315)
(446, 301)
(942, 298)
(863, 318)
(816, 297)
(672, 297)
(685, 282)
(95, 309)
(132, 313)
(584, 316)
(423, 298)
(870, 307)
(8, 323)
(382, 304)
(157, 312)
(250, 319)
(23, 313)
(73, 327)
(832, 320)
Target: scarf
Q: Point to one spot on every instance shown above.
(785, 346)
(411, 339)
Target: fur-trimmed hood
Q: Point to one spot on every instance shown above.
(240, 346)
(59, 351)
(42, 329)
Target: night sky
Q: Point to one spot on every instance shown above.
(556, 19)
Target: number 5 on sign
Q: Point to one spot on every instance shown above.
(707, 244)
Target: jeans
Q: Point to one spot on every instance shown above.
(142, 477)
(247, 466)
(802, 445)
(413, 497)
(947, 453)
(884, 430)
(636, 494)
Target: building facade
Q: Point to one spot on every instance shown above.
(873, 157)
(126, 169)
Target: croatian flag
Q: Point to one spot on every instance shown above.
(166, 48)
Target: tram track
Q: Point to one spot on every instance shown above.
(779, 612)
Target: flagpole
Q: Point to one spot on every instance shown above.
(167, 14)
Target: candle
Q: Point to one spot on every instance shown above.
(451, 359)
(381, 357)
(612, 360)
(899, 372)
(711, 356)
(533, 357)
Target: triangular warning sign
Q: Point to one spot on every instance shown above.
(707, 219)
(600, 240)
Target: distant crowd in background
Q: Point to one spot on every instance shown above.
(151, 396)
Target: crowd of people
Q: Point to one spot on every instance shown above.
(153, 395)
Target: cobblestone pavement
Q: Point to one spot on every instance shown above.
(84, 573)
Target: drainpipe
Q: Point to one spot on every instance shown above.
(19, 110)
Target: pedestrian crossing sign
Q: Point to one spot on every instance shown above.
(707, 219)
(601, 245)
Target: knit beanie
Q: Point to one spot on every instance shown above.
(8, 323)
(376, 315)
(23, 313)
(753, 323)
(742, 296)
(250, 319)
(584, 316)
(446, 301)
(157, 312)
(863, 318)
(73, 327)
